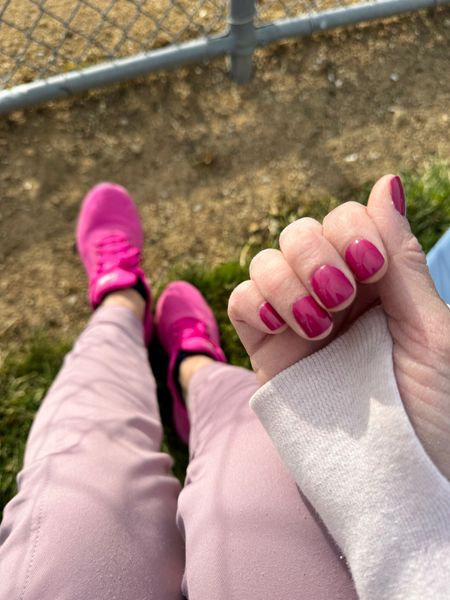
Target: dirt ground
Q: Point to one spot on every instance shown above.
(207, 161)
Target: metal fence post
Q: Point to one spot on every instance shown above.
(242, 30)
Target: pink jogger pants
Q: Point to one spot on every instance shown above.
(99, 516)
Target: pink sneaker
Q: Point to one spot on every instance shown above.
(185, 323)
(109, 240)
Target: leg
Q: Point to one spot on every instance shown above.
(248, 531)
(95, 513)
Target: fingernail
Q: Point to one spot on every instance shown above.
(270, 317)
(311, 317)
(398, 195)
(364, 259)
(331, 286)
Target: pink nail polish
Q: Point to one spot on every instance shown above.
(270, 317)
(364, 259)
(311, 317)
(398, 195)
(331, 286)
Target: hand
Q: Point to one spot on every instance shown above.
(324, 276)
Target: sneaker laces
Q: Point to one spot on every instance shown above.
(115, 251)
(189, 327)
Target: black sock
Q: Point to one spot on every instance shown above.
(140, 288)
(182, 354)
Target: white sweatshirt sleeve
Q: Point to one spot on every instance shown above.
(339, 425)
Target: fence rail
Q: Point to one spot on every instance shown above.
(51, 49)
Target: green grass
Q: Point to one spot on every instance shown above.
(24, 379)
(216, 285)
(428, 207)
(27, 373)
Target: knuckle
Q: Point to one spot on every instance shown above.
(238, 298)
(270, 272)
(342, 213)
(300, 227)
(262, 261)
(273, 282)
(300, 238)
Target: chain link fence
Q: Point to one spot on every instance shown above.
(40, 38)
(53, 48)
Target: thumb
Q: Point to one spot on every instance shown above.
(407, 290)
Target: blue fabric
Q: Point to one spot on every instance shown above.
(438, 259)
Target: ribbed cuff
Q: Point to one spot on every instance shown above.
(339, 424)
(341, 360)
